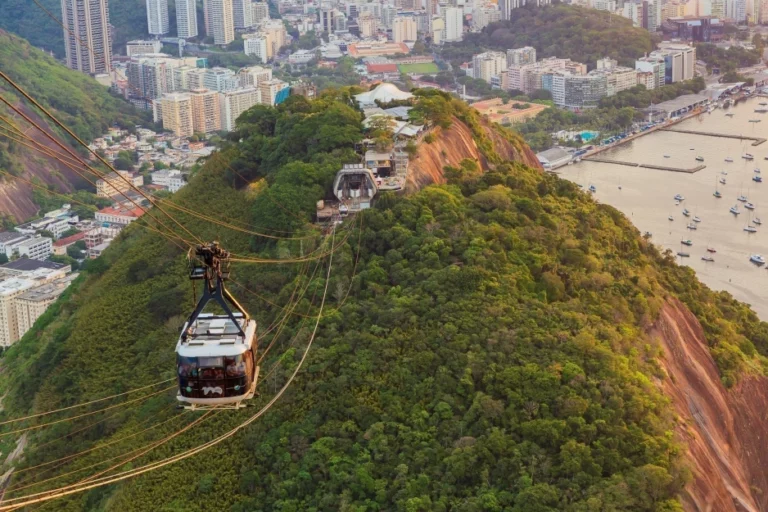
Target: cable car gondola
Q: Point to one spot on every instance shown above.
(216, 353)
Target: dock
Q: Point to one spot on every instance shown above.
(645, 166)
(756, 141)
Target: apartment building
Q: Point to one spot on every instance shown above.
(260, 12)
(186, 18)
(242, 13)
(679, 61)
(119, 215)
(576, 91)
(454, 24)
(368, 24)
(220, 79)
(654, 65)
(32, 303)
(484, 15)
(221, 21)
(256, 46)
(234, 103)
(253, 75)
(528, 77)
(56, 222)
(157, 17)
(404, 28)
(176, 113)
(113, 183)
(206, 113)
(171, 179)
(139, 47)
(87, 41)
(273, 92)
(521, 56)
(487, 65)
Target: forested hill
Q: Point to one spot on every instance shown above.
(484, 344)
(27, 19)
(76, 99)
(559, 30)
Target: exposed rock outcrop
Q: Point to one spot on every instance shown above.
(725, 430)
(453, 145)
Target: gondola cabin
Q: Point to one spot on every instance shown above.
(216, 363)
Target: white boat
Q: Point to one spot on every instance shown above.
(757, 221)
(756, 171)
(750, 229)
(708, 258)
(747, 156)
(683, 254)
(692, 226)
(699, 158)
(592, 189)
(729, 114)
(755, 120)
(722, 180)
(742, 198)
(696, 219)
(679, 197)
(677, 203)
(724, 173)
(729, 159)
(735, 210)
(762, 110)
(671, 218)
(717, 194)
(686, 212)
(757, 259)
(749, 206)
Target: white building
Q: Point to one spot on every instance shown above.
(270, 91)
(454, 24)
(32, 303)
(653, 65)
(139, 47)
(186, 18)
(220, 79)
(119, 215)
(234, 103)
(679, 61)
(157, 17)
(300, 57)
(253, 75)
(484, 15)
(521, 56)
(256, 45)
(404, 28)
(489, 64)
(56, 222)
(35, 248)
(260, 12)
(221, 21)
(171, 179)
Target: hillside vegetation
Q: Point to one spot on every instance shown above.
(483, 346)
(559, 30)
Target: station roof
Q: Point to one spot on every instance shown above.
(681, 102)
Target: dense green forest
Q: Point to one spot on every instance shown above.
(558, 30)
(483, 346)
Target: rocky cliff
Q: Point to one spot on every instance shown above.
(725, 431)
(453, 145)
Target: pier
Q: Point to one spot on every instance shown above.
(646, 166)
(756, 141)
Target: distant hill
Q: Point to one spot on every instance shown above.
(25, 18)
(559, 30)
(76, 99)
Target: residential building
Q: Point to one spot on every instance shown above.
(171, 179)
(139, 47)
(60, 246)
(605, 5)
(252, 76)
(9, 326)
(437, 30)
(273, 92)
(234, 103)
(220, 79)
(221, 21)
(507, 6)
(577, 91)
(87, 41)
(206, 113)
(260, 12)
(186, 18)
(375, 49)
(275, 32)
(8, 240)
(655, 66)
(113, 183)
(176, 111)
(369, 25)
(147, 77)
(34, 247)
(242, 13)
(454, 24)
(528, 78)
(618, 78)
(521, 56)
(56, 222)
(646, 79)
(489, 64)
(119, 215)
(484, 15)
(679, 61)
(301, 57)
(256, 45)
(32, 303)
(388, 15)
(157, 17)
(404, 28)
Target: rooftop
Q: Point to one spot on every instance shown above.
(125, 212)
(63, 242)
(28, 265)
(48, 291)
(681, 102)
(7, 236)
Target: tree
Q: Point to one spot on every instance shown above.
(69, 232)
(160, 165)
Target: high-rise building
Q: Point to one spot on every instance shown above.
(454, 24)
(256, 45)
(138, 47)
(274, 30)
(521, 56)
(253, 76)
(653, 65)
(273, 92)
(388, 15)
(368, 24)
(576, 91)
(326, 16)
(404, 29)
(718, 8)
(87, 40)
(221, 20)
(234, 103)
(679, 61)
(157, 17)
(220, 79)
(484, 15)
(186, 18)
(242, 13)
(177, 113)
(487, 65)
(259, 12)
(206, 112)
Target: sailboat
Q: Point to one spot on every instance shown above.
(722, 181)
(735, 209)
(708, 259)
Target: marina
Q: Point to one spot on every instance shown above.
(646, 195)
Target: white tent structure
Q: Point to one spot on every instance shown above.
(383, 93)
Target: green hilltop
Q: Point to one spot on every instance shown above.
(483, 346)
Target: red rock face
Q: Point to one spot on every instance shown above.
(725, 430)
(453, 145)
(15, 196)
